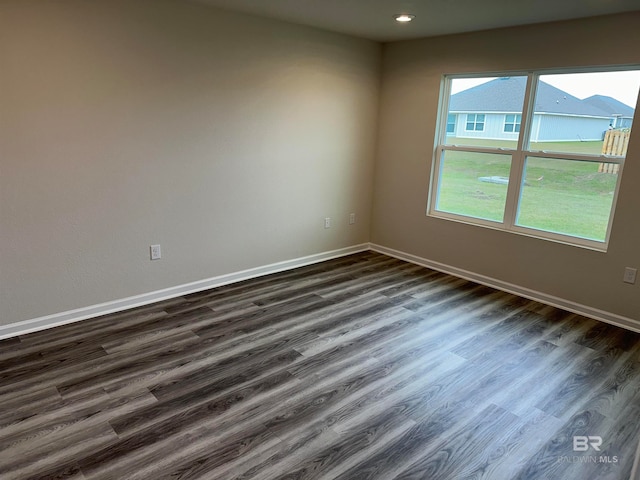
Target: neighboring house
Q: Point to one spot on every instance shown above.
(493, 110)
(622, 114)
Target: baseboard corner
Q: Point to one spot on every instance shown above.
(584, 310)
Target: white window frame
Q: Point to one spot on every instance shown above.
(475, 122)
(515, 123)
(518, 160)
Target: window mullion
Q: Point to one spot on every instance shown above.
(518, 158)
(436, 177)
(513, 191)
(526, 122)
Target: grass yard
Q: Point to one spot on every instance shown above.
(564, 147)
(561, 196)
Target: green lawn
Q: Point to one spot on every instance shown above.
(561, 196)
(565, 147)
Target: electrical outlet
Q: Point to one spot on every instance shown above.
(629, 275)
(327, 222)
(352, 218)
(156, 253)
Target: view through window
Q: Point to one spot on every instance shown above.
(535, 153)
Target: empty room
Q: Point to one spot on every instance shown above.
(366, 239)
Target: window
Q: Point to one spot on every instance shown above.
(451, 123)
(512, 123)
(475, 122)
(544, 159)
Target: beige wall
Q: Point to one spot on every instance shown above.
(228, 138)
(225, 138)
(412, 72)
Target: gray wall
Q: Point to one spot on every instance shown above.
(412, 72)
(225, 138)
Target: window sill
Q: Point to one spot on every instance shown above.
(567, 240)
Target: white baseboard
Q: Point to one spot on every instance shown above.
(596, 314)
(71, 316)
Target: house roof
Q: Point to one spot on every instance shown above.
(506, 94)
(611, 105)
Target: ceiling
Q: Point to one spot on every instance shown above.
(373, 19)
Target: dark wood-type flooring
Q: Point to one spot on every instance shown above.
(363, 367)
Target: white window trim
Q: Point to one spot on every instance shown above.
(475, 122)
(515, 123)
(518, 159)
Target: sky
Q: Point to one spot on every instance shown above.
(622, 86)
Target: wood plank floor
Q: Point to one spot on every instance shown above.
(363, 367)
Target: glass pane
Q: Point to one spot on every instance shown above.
(586, 113)
(479, 106)
(473, 184)
(451, 124)
(568, 197)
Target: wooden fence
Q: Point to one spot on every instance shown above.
(615, 143)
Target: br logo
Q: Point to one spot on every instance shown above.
(582, 444)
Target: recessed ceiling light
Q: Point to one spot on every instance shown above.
(404, 17)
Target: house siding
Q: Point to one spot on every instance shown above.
(493, 127)
(545, 128)
(559, 128)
